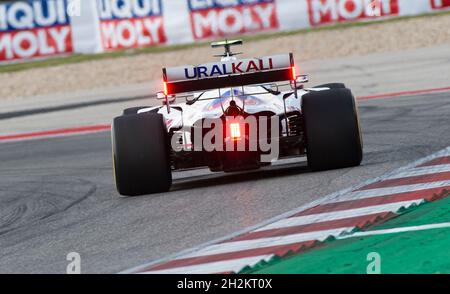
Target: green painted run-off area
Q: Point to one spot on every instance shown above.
(426, 251)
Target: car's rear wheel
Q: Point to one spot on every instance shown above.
(140, 154)
(333, 136)
(331, 86)
(133, 110)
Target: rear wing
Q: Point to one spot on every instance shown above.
(232, 73)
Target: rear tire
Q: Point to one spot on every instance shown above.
(333, 136)
(133, 110)
(332, 86)
(140, 154)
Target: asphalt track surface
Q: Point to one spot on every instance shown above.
(57, 195)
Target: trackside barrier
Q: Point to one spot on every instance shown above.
(44, 28)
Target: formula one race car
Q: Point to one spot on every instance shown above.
(237, 115)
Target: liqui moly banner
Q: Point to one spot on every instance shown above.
(333, 11)
(218, 18)
(45, 28)
(34, 29)
(131, 23)
(440, 4)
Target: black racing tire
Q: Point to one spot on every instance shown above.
(332, 129)
(133, 110)
(331, 86)
(141, 154)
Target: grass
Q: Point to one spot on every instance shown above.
(76, 58)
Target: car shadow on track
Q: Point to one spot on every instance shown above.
(216, 179)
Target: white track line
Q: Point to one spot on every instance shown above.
(232, 265)
(237, 264)
(336, 215)
(397, 230)
(379, 192)
(421, 171)
(238, 246)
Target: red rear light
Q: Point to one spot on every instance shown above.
(294, 75)
(235, 131)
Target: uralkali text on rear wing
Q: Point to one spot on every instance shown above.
(230, 73)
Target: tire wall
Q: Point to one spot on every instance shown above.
(45, 28)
